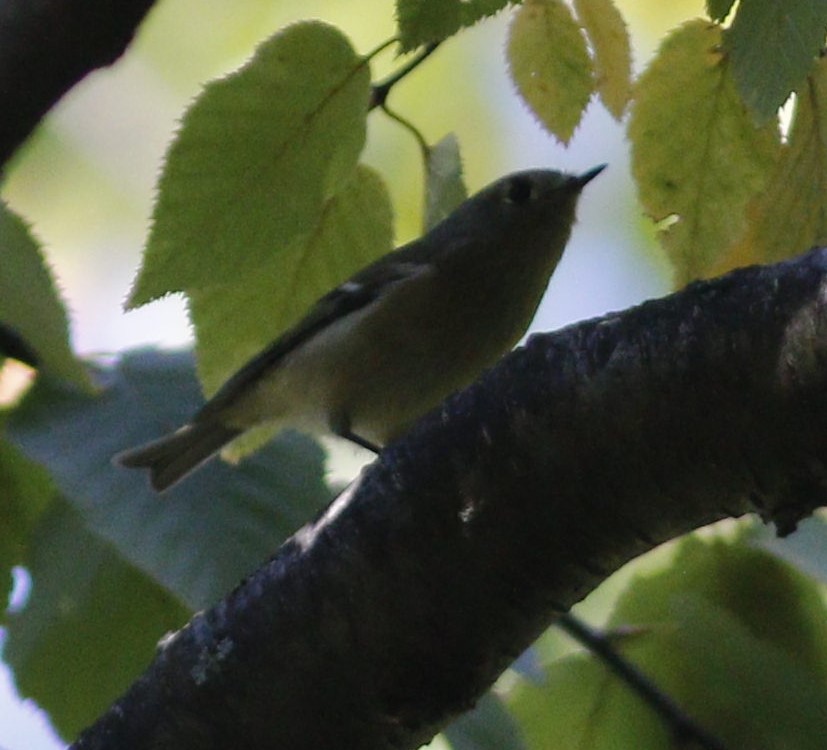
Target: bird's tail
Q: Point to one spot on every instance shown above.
(175, 455)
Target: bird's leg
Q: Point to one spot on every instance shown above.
(341, 426)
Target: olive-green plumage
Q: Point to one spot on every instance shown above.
(388, 345)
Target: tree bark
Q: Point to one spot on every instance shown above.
(393, 612)
(47, 46)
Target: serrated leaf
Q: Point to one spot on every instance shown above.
(772, 46)
(237, 320)
(91, 624)
(719, 9)
(425, 21)
(696, 155)
(610, 42)
(30, 304)
(790, 215)
(550, 64)
(258, 156)
(206, 533)
(444, 186)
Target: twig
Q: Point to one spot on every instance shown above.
(684, 728)
(380, 91)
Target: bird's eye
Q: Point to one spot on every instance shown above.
(519, 191)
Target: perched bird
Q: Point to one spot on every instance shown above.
(389, 344)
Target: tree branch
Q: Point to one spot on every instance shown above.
(47, 46)
(394, 611)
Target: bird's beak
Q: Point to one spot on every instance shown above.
(583, 179)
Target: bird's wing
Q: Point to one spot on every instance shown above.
(355, 294)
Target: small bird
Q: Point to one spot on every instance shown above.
(379, 351)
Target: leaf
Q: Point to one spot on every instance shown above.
(237, 320)
(772, 46)
(425, 21)
(30, 304)
(578, 705)
(610, 42)
(444, 186)
(258, 156)
(736, 638)
(205, 534)
(719, 9)
(25, 494)
(550, 65)
(739, 638)
(790, 215)
(696, 155)
(92, 623)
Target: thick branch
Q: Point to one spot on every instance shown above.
(47, 46)
(393, 612)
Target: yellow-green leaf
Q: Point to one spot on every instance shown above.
(259, 155)
(790, 216)
(30, 304)
(234, 321)
(550, 64)
(736, 638)
(609, 38)
(424, 21)
(696, 155)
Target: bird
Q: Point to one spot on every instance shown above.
(389, 344)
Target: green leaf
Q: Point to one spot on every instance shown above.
(550, 64)
(488, 727)
(444, 186)
(739, 638)
(772, 46)
(205, 534)
(30, 304)
(696, 155)
(577, 705)
(735, 637)
(790, 215)
(610, 42)
(258, 156)
(719, 9)
(25, 493)
(424, 21)
(91, 624)
(238, 319)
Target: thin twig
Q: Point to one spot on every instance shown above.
(684, 728)
(410, 127)
(380, 91)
